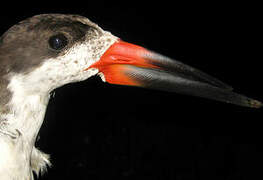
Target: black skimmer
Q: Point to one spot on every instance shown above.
(50, 50)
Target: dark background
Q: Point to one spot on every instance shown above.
(98, 131)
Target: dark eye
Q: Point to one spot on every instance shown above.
(58, 42)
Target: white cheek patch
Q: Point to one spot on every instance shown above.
(72, 66)
(67, 68)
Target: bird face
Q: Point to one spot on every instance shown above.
(50, 50)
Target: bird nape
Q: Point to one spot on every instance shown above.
(47, 51)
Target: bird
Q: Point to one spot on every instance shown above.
(47, 51)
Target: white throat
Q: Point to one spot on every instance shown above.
(18, 131)
(27, 109)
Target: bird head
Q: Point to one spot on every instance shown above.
(47, 51)
(50, 50)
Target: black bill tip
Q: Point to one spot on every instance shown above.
(162, 80)
(255, 103)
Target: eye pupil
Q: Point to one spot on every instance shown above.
(58, 42)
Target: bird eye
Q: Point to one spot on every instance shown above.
(58, 42)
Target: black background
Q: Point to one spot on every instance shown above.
(94, 130)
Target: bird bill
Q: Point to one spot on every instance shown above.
(128, 64)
